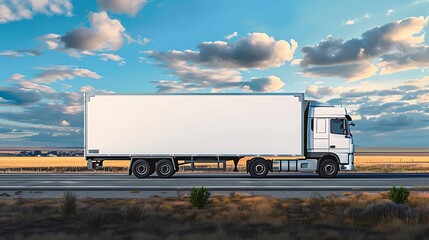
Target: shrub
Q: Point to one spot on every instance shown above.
(93, 220)
(384, 212)
(199, 197)
(133, 213)
(69, 204)
(398, 195)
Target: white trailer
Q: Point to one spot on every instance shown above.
(157, 132)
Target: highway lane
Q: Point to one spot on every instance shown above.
(214, 182)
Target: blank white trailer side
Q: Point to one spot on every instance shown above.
(156, 131)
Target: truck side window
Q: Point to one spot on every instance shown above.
(337, 126)
(320, 125)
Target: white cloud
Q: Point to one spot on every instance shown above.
(257, 50)
(51, 40)
(139, 40)
(232, 35)
(15, 10)
(130, 7)
(351, 21)
(265, 84)
(105, 34)
(64, 123)
(390, 11)
(295, 61)
(31, 85)
(393, 47)
(20, 53)
(216, 65)
(58, 73)
(112, 57)
(351, 72)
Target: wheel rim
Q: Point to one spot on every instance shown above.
(141, 169)
(164, 169)
(329, 169)
(259, 169)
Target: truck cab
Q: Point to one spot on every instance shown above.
(329, 135)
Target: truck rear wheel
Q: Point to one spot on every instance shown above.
(259, 168)
(141, 168)
(328, 168)
(164, 168)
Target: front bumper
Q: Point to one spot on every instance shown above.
(350, 166)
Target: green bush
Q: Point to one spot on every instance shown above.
(69, 204)
(398, 195)
(199, 197)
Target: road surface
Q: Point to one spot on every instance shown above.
(214, 182)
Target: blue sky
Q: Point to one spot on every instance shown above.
(373, 55)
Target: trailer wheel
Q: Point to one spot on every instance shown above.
(141, 168)
(164, 168)
(259, 168)
(328, 168)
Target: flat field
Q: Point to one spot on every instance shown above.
(356, 215)
(377, 163)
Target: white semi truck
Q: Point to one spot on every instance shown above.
(158, 132)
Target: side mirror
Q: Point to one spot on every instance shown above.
(352, 124)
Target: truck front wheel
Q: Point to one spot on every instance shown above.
(141, 168)
(164, 168)
(328, 168)
(259, 168)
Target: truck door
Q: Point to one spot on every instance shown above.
(339, 139)
(321, 136)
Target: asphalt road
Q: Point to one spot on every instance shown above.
(214, 182)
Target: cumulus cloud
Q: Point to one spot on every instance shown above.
(43, 116)
(64, 123)
(397, 46)
(15, 10)
(352, 71)
(18, 96)
(380, 108)
(356, 20)
(112, 57)
(389, 12)
(102, 37)
(37, 113)
(105, 34)
(20, 53)
(265, 84)
(59, 73)
(318, 92)
(232, 35)
(218, 65)
(351, 21)
(51, 40)
(257, 50)
(130, 7)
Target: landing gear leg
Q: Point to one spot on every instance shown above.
(235, 164)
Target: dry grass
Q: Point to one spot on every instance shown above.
(78, 164)
(355, 216)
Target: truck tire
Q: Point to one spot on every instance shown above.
(258, 168)
(328, 168)
(164, 168)
(141, 168)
